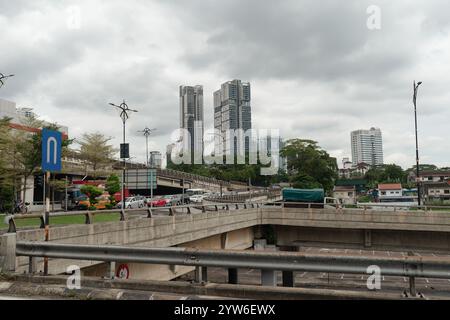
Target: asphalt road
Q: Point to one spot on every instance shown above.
(358, 282)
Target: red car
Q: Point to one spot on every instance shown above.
(158, 202)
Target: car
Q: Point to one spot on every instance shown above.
(82, 202)
(131, 203)
(172, 200)
(157, 202)
(198, 198)
(142, 200)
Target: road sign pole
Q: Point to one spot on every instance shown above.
(46, 216)
(50, 162)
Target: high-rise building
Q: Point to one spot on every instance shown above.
(232, 109)
(191, 119)
(367, 147)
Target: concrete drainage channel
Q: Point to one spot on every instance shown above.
(54, 287)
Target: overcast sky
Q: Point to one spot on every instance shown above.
(317, 71)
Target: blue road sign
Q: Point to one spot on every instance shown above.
(51, 150)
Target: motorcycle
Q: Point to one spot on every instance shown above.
(21, 207)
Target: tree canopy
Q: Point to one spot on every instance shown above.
(309, 165)
(96, 151)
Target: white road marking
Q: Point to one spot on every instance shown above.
(404, 279)
(418, 254)
(342, 277)
(303, 274)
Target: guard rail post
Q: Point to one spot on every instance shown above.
(12, 225)
(8, 252)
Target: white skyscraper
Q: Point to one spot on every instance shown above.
(367, 147)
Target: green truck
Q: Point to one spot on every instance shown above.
(307, 197)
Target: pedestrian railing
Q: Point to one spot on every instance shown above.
(269, 262)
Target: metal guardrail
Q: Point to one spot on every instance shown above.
(89, 215)
(409, 266)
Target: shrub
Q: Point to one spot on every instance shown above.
(109, 206)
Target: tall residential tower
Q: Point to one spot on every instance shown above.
(191, 119)
(232, 108)
(367, 147)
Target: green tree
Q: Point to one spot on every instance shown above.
(92, 192)
(96, 151)
(389, 173)
(113, 185)
(309, 165)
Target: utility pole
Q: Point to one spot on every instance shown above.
(416, 89)
(124, 148)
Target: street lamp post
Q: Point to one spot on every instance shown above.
(124, 148)
(416, 89)
(147, 132)
(4, 77)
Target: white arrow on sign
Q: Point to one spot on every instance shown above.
(55, 149)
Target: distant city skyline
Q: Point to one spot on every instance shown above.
(316, 71)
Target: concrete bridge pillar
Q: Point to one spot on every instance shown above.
(367, 238)
(269, 278)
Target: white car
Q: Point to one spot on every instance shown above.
(196, 198)
(132, 203)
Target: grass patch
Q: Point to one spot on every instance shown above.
(54, 221)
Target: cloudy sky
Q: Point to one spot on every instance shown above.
(317, 71)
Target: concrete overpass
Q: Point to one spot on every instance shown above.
(237, 228)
